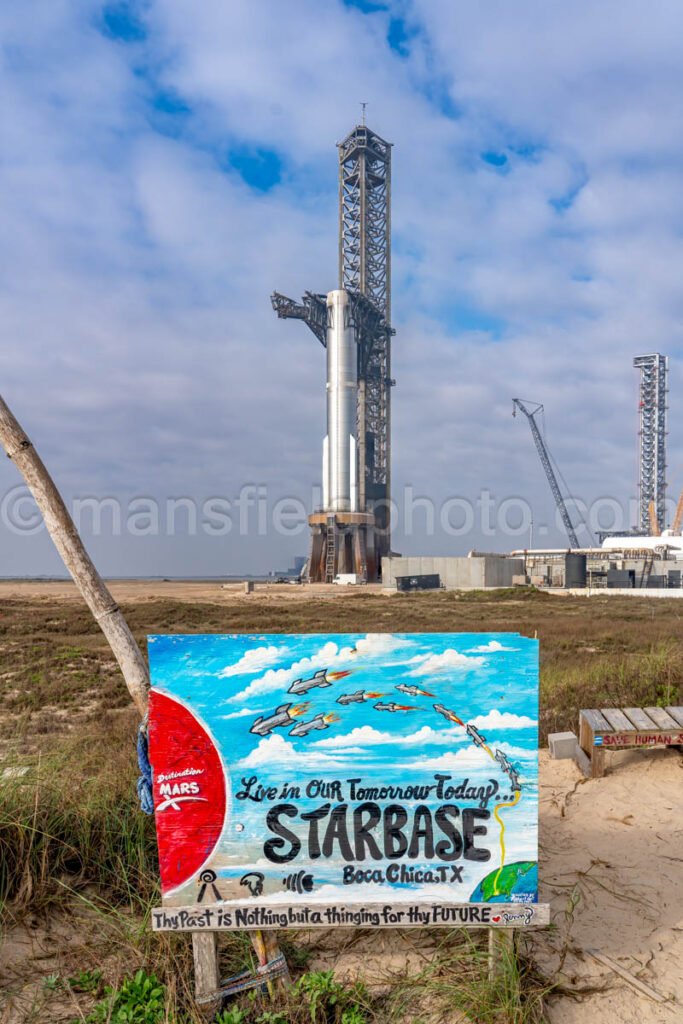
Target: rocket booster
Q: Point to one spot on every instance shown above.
(340, 486)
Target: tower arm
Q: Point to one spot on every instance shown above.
(312, 310)
(371, 329)
(547, 466)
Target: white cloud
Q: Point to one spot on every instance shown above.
(271, 749)
(473, 756)
(448, 661)
(254, 660)
(280, 678)
(369, 737)
(495, 719)
(242, 713)
(275, 749)
(329, 656)
(491, 647)
(381, 643)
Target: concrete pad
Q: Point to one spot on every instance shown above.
(562, 745)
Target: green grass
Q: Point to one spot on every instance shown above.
(73, 819)
(458, 976)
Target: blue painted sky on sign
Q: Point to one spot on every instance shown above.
(488, 680)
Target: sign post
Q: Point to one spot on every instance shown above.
(345, 780)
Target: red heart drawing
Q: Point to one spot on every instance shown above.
(496, 919)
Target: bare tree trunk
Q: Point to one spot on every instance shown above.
(65, 537)
(110, 619)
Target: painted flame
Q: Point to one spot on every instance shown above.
(330, 717)
(425, 693)
(300, 709)
(338, 675)
(370, 694)
(407, 707)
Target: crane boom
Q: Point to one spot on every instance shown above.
(678, 517)
(544, 455)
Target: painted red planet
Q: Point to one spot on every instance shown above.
(189, 790)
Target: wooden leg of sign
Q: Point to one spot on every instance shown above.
(501, 949)
(598, 762)
(206, 975)
(266, 949)
(272, 950)
(207, 981)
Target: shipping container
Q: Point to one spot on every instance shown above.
(428, 581)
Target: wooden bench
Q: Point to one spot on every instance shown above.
(624, 728)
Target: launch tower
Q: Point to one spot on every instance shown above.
(351, 531)
(652, 439)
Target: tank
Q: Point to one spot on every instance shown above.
(575, 570)
(340, 486)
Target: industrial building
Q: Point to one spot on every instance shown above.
(558, 569)
(474, 572)
(605, 568)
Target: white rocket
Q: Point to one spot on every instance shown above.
(340, 484)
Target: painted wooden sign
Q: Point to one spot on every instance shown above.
(351, 779)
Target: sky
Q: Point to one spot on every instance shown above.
(165, 166)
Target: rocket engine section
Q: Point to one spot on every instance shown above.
(340, 482)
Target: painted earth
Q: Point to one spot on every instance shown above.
(507, 884)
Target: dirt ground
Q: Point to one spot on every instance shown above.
(203, 591)
(611, 859)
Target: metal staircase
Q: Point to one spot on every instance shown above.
(330, 552)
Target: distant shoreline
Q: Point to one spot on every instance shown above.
(149, 579)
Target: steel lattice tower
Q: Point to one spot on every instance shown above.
(652, 438)
(361, 537)
(365, 268)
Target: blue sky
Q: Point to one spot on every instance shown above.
(165, 166)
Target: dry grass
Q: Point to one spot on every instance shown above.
(604, 650)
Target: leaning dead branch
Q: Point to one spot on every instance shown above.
(65, 537)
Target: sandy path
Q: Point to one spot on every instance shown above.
(612, 870)
(194, 591)
(616, 845)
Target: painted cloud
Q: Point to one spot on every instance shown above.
(276, 749)
(254, 661)
(367, 736)
(491, 647)
(447, 661)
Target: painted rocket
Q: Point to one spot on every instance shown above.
(474, 734)
(393, 707)
(352, 698)
(447, 713)
(319, 678)
(413, 691)
(279, 718)
(303, 728)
